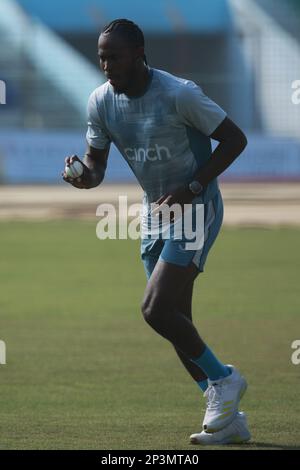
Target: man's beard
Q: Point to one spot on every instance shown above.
(124, 88)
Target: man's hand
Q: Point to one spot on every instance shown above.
(181, 196)
(85, 181)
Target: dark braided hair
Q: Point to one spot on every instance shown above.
(129, 30)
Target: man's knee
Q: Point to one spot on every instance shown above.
(150, 309)
(155, 310)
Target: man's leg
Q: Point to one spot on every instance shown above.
(161, 311)
(185, 307)
(160, 307)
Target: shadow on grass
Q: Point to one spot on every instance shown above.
(269, 446)
(253, 445)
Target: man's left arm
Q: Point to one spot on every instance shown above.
(232, 142)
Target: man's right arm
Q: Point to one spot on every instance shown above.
(94, 165)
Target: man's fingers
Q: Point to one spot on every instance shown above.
(67, 180)
(70, 159)
(76, 182)
(74, 158)
(79, 182)
(160, 200)
(159, 205)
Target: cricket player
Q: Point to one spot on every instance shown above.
(163, 125)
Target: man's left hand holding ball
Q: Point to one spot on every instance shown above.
(84, 180)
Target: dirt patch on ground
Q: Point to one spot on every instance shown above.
(246, 204)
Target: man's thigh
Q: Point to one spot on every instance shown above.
(150, 253)
(169, 283)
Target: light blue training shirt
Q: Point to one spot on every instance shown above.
(163, 134)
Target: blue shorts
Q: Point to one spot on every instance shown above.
(173, 250)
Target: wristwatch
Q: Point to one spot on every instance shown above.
(195, 187)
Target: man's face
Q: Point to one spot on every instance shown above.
(118, 61)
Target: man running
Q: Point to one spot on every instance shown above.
(162, 125)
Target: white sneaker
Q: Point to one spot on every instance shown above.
(223, 398)
(236, 432)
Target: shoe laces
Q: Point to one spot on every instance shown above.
(214, 396)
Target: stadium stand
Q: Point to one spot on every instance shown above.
(237, 51)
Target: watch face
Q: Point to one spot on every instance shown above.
(195, 187)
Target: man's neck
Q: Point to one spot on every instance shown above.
(141, 83)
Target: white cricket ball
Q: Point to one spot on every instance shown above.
(74, 170)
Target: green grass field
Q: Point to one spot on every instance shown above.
(84, 371)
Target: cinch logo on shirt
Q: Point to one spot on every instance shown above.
(151, 154)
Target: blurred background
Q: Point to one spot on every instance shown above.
(245, 55)
(83, 370)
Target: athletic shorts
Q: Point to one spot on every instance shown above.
(173, 250)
